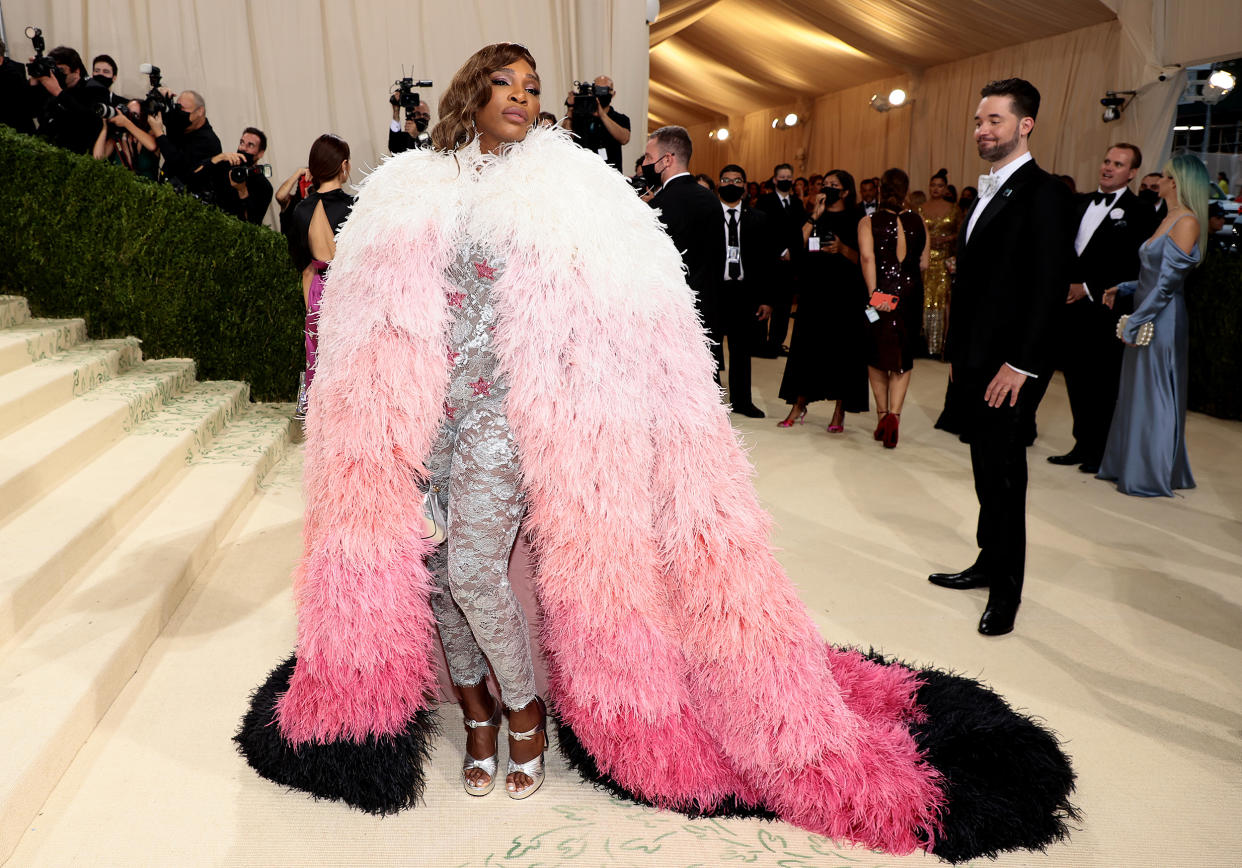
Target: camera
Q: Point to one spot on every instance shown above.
(404, 95)
(586, 95)
(41, 66)
(241, 174)
(155, 103)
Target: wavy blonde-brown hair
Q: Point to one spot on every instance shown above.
(470, 90)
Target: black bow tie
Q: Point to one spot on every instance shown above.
(1105, 199)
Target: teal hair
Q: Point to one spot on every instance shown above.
(1192, 190)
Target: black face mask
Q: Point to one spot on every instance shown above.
(651, 177)
(420, 124)
(731, 193)
(1148, 196)
(784, 186)
(831, 195)
(605, 101)
(104, 80)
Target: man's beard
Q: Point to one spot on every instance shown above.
(1000, 150)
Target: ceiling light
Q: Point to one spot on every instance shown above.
(879, 103)
(1195, 129)
(791, 119)
(722, 134)
(896, 97)
(776, 122)
(1222, 79)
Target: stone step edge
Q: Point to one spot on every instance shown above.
(66, 439)
(62, 714)
(14, 309)
(36, 339)
(25, 587)
(29, 392)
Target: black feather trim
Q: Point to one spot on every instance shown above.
(581, 761)
(381, 775)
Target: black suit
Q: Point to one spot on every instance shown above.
(787, 221)
(1090, 352)
(691, 214)
(739, 299)
(1012, 275)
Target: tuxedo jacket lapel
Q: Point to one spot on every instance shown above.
(1001, 199)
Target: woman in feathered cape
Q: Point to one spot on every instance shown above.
(683, 669)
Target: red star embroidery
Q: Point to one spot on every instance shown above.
(485, 271)
(450, 412)
(481, 387)
(453, 356)
(456, 299)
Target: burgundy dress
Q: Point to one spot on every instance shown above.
(894, 334)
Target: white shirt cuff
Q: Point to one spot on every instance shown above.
(394, 127)
(1020, 371)
(1087, 290)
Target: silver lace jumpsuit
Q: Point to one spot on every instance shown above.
(475, 474)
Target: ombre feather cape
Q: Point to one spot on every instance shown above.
(684, 671)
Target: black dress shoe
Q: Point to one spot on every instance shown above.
(971, 577)
(1002, 608)
(1092, 467)
(750, 410)
(1068, 458)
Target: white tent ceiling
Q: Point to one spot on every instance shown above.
(712, 59)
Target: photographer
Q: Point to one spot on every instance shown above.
(14, 94)
(595, 123)
(67, 106)
(127, 141)
(414, 133)
(184, 137)
(238, 181)
(103, 72)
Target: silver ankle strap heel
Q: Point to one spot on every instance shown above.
(532, 768)
(488, 764)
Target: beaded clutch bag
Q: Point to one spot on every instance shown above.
(1145, 331)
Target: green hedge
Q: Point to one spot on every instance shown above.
(79, 237)
(1214, 300)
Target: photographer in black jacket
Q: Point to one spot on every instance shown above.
(186, 139)
(67, 109)
(238, 180)
(414, 132)
(595, 123)
(14, 94)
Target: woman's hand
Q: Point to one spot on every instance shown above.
(833, 246)
(1109, 298)
(884, 307)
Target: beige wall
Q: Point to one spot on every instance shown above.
(297, 68)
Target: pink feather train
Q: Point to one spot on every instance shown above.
(684, 670)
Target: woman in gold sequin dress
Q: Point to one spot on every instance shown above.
(942, 219)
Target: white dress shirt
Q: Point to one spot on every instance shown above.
(737, 209)
(1003, 177)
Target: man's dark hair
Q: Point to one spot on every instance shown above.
(638, 163)
(1022, 94)
(676, 141)
(780, 166)
(734, 167)
(1136, 156)
(69, 57)
(108, 60)
(258, 134)
(1153, 175)
(4, 49)
(874, 182)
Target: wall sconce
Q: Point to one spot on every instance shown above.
(1115, 102)
(896, 98)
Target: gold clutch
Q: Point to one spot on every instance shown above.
(1145, 331)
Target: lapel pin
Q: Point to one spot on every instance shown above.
(1008, 190)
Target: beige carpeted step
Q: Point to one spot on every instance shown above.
(41, 454)
(52, 538)
(13, 311)
(35, 339)
(70, 661)
(38, 388)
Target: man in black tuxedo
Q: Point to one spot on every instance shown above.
(787, 214)
(1012, 273)
(747, 254)
(1111, 224)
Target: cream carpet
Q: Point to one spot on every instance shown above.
(1129, 644)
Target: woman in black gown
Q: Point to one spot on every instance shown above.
(827, 356)
(893, 250)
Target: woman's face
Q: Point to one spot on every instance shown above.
(512, 109)
(1168, 187)
(800, 188)
(835, 182)
(752, 189)
(937, 188)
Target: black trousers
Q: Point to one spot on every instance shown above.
(1091, 361)
(736, 321)
(783, 287)
(998, 438)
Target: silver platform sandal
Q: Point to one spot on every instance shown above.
(487, 764)
(532, 768)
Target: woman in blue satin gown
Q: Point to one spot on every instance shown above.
(1146, 451)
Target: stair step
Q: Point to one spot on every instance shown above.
(74, 658)
(51, 539)
(13, 311)
(38, 388)
(40, 455)
(36, 339)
